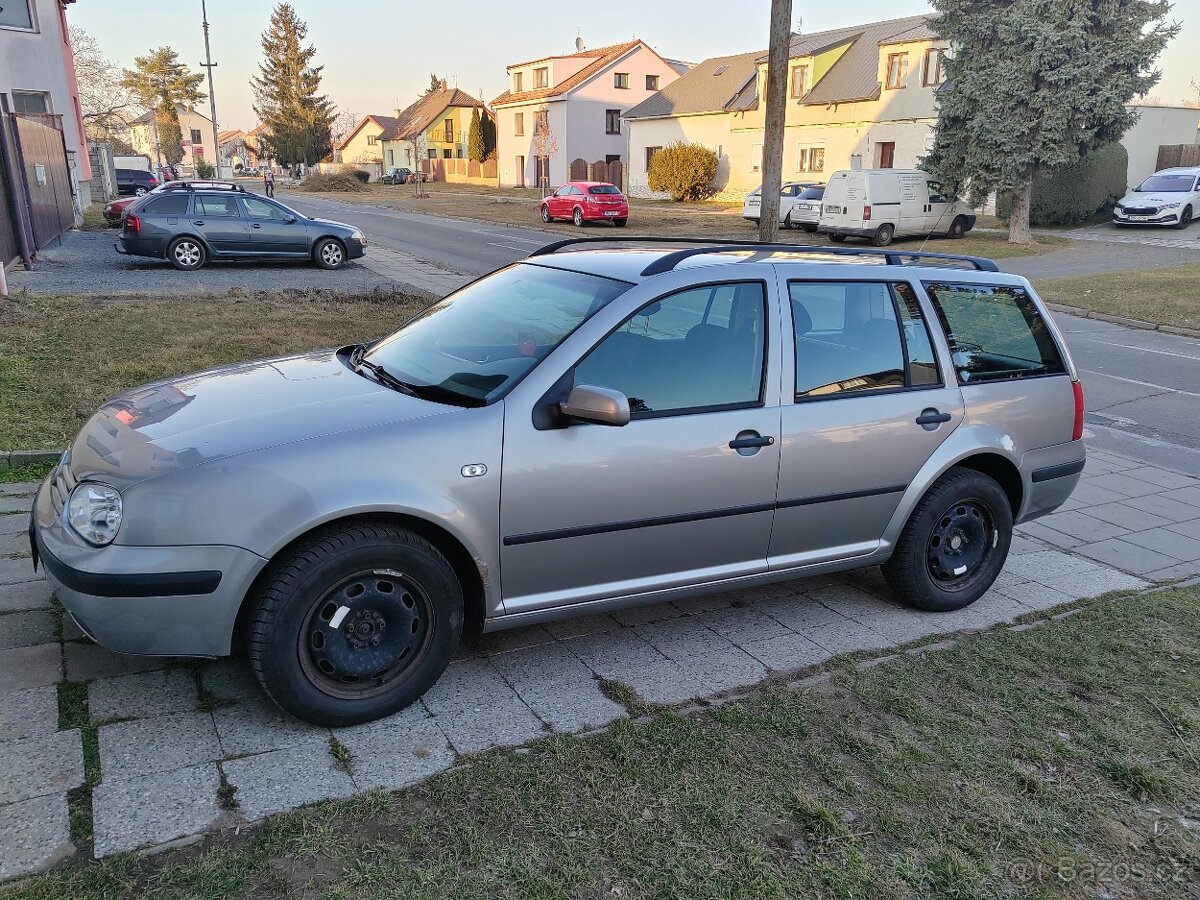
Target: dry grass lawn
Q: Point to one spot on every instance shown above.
(1165, 296)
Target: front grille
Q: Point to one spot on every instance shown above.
(1141, 210)
(61, 485)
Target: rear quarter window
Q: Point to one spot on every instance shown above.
(170, 205)
(995, 332)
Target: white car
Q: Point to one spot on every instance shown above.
(1170, 197)
(790, 197)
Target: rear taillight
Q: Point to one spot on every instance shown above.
(866, 214)
(1077, 430)
(134, 224)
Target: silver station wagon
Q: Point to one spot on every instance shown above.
(583, 430)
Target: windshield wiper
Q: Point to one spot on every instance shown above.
(380, 374)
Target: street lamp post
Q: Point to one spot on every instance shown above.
(212, 97)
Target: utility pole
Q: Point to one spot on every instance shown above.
(776, 112)
(212, 97)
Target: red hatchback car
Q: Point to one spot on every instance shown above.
(587, 201)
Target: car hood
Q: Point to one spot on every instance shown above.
(318, 221)
(195, 419)
(1153, 198)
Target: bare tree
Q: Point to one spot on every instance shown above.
(105, 103)
(1193, 101)
(343, 124)
(544, 146)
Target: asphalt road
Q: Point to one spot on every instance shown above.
(1142, 387)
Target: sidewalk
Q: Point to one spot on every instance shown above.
(412, 271)
(172, 748)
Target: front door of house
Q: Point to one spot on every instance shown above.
(520, 171)
(887, 154)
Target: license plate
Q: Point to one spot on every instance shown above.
(611, 212)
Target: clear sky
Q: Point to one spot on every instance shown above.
(378, 54)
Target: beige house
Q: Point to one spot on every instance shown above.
(195, 129)
(436, 127)
(361, 146)
(861, 96)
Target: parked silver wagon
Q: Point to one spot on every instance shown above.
(586, 429)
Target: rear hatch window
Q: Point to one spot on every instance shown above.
(995, 332)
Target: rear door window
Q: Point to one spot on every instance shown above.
(217, 206)
(995, 332)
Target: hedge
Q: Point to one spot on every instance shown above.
(1077, 192)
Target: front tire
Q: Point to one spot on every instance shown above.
(954, 544)
(577, 217)
(545, 213)
(1185, 218)
(838, 238)
(329, 254)
(883, 235)
(139, 192)
(619, 223)
(356, 622)
(186, 254)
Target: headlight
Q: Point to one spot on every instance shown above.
(358, 236)
(94, 511)
(1170, 206)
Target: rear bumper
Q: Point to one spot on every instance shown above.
(602, 214)
(156, 601)
(851, 232)
(1049, 476)
(140, 247)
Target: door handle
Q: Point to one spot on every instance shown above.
(198, 222)
(933, 417)
(750, 441)
(256, 225)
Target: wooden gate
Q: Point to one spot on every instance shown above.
(579, 170)
(43, 156)
(616, 173)
(600, 171)
(1172, 155)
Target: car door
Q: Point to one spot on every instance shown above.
(913, 208)
(558, 202)
(872, 402)
(273, 229)
(941, 209)
(787, 196)
(685, 492)
(218, 219)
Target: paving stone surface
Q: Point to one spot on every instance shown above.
(28, 712)
(282, 780)
(153, 809)
(17, 523)
(26, 667)
(1128, 525)
(142, 695)
(160, 744)
(33, 626)
(40, 765)
(34, 835)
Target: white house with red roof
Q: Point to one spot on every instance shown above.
(579, 99)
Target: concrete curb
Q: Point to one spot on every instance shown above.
(1121, 320)
(13, 459)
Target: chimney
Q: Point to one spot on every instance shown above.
(444, 88)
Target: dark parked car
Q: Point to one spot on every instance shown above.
(402, 175)
(135, 182)
(114, 210)
(191, 226)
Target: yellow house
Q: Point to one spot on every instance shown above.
(435, 127)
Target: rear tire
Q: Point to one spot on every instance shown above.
(838, 238)
(577, 217)
(954, 543)
(186, 254)
(356, 622)
(329, 254)
(957, 228)
(810, 229)
(619, 223)
(883, 235)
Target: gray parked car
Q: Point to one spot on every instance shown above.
(189, 227)
(574, 433)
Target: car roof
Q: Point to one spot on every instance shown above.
(591, 183)
(628, 264)
(1179, 170)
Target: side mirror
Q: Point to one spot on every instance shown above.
(596, 404)
(290, 220)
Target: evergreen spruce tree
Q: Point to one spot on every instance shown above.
(488, 125)
(475, 148)
(159, 81)
(435, 84)
(1036, 84)
(298, 119)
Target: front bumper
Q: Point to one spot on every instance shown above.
(1166, 218)
(355, 249)
(156, 601)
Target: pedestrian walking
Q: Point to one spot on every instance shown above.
(269, 181)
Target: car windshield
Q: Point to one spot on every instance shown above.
(812, 193)
(1167, 184)
(603, 189)
(474, 346)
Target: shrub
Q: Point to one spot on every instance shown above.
(685, 171)
(320, 182)
(362, 176)
(1077, 192)
(205, 169)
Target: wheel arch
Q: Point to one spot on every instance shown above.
(470, 572)
(209, 253)
(333, 237)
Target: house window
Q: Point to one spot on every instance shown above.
(756, 157)
(541, 120)
(30, 102)
(518, 82)
(897, 70)
(196, 139)
(371, 138)
(799, 81)
(391, 157)
(612, 121)
(935, 72)
(887, 155)
(621, 80)
(652, 82)
(519, 124)
(432, 153)
(446, 154)
(16, 14)
(650, 151)
(810, 159)
(541, 77)
(448, 128)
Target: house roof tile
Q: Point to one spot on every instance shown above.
(602, 57)
(416, 118)
(709, 87)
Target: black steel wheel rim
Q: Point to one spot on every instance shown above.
(363, 636)
(960, 544)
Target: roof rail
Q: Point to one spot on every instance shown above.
(708, 245)
(202, 184)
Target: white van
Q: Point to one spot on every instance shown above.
(880, 204)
